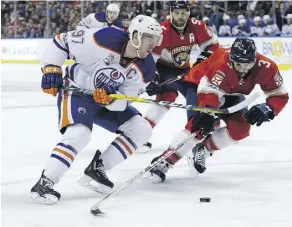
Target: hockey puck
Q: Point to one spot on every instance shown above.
(205, 200)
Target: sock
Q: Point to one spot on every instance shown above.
(61, 159)
(118, 151)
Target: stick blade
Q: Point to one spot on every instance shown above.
(97, 212)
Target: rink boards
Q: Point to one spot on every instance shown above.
(28, 51)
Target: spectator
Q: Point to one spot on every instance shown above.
(224, 29)
(51, 30)
(280, 15)
(233, 19)
(216, 18)
(30, 17)
(207, 22)
(257, 29)
(196, 12)
(250, 18)
(287, 28)
(126, 21)
(241, 29)
(270, 27)
(289, 10)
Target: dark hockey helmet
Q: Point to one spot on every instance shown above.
(243, 50)
(180, 5)
(243, 55)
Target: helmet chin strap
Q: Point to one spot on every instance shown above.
(137, 47)
(138, 53)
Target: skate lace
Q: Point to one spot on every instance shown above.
(99, 167)
(47, 183)
(201, 156)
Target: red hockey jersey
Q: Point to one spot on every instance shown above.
(222, 78)
(175, 48)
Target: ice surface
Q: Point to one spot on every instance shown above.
(250, 183)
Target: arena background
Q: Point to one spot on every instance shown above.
(27, 27)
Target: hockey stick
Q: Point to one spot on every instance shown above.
(87, 92)
(176, 105)
(190, 107)
(171, 80)
(95, 208)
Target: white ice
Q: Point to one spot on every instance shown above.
(250, 184)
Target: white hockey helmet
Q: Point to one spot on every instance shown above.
(145, 24)
(239, 17)
(206, 19)
(242, 21)
(113, 7)
(226, 17)
(289, 16)
(257, 19)
(266, 18)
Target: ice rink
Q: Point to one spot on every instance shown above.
(250, 184)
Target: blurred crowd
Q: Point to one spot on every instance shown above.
(37, 19)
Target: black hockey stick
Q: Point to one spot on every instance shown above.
(95, 209)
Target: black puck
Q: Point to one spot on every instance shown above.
(205, 200)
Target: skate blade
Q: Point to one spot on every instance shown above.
(92, 185)
(153, 178)
(97, 212)
(46, 199)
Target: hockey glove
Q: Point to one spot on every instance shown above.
(153, 89)
(52, 79)
(202, 124)
(259, 114)
(101, 95)
(203, 56)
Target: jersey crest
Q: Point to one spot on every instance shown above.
(108, 77)
(278, 79)
(180, 55)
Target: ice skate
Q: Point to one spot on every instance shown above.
(197, 158)
(43, 191)
(157, 174)
(95, 177)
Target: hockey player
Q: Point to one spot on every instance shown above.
(227, 75)
(121, 64)
(181, 34)
(101, 19)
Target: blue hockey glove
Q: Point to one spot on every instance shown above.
(52, 79)
(259, 113)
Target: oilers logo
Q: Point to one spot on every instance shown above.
(180, 55)
(108, 77)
